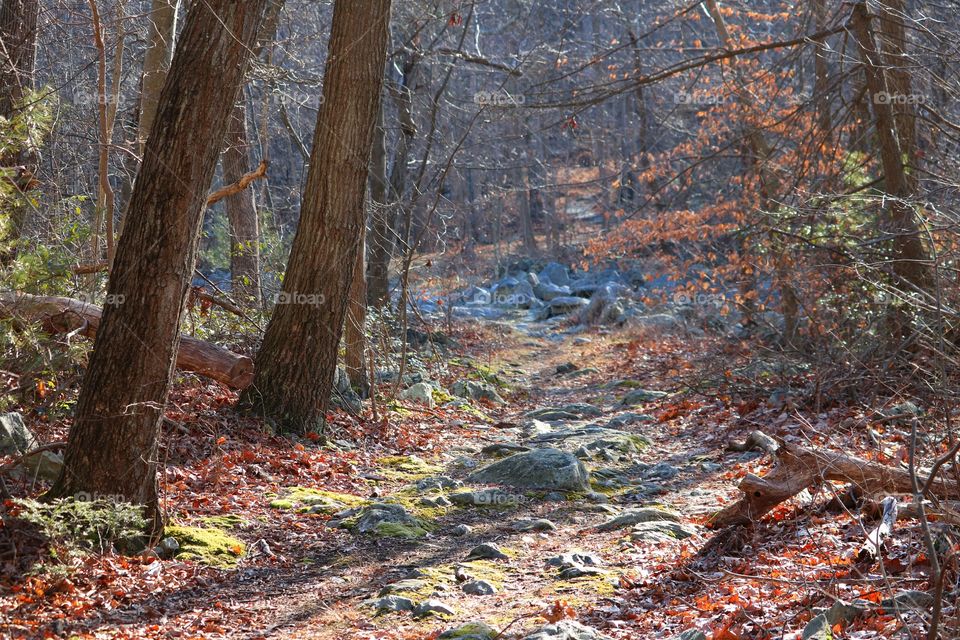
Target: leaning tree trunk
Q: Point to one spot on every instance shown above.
(112, 448)
(241, 212)
(298, 359)
(162, 30)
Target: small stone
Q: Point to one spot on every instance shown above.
(393, 603)
(168, 546)
(639, 396)
(691, 634)
(487, 551)
(574, 559)
(566, 630)
(479, 588)
(661, 531)
(421, 393)
(503, 449)
(538, 524)
(908, 599)
(460, 530)
(432, 607)
(435, 483)
(438, 501)
(485, 498)
(407, 585)
(818, 629)
(555, 496)
(566, 367)
(635, 516)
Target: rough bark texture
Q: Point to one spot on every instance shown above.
(18, 57)
(113, 442)
(297, 361)
(241, 212)
(354, 339)
(162, 32)
(66, 315)
(909, 259)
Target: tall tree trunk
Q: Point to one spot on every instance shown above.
(909, 258)
(112, 447)
(297, 361)
(384, 225)
(162, 32)
(241, 211)
(18, 59)
(354, 337)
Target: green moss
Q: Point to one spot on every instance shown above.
(225, 521)
(210, 546)
(398, 530)
(440, 396)
(316, 500)
(406, 468)
(602, 585)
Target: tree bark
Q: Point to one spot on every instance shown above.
(354, 337)
(162, 29)
(241, 212)
(112, 447)
(384, 234)
(909, 258)
(66, 315)
(18, 59)
(297, 361)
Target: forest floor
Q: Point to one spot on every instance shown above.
(290, 574)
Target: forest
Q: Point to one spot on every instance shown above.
(479, 319)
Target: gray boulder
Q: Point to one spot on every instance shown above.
(511, 292)
(657, 322)
(548, 291)
(549, 469)
(639, 396)
(478, 588)
(555, 273)
(561, 306)
(15, 438)
(421, 393)
(661, 531)
(475, 390)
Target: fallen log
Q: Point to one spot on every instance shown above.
(799, 467)
(66, 315)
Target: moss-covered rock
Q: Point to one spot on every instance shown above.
(211, 546)
(406, 468)
(225, 521)
(306, 499)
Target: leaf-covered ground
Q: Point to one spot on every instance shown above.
(292, 575)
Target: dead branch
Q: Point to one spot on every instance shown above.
(799, 467)
(239, 185)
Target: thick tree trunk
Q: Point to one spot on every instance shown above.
(241, 212)
(297, 361)
(18, 58)
(66, 315)
(909, 259)
(112, 447)
(162, 30)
